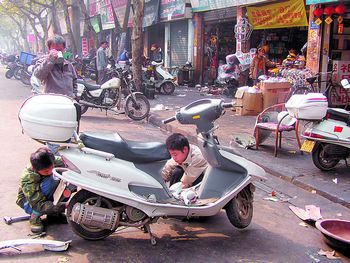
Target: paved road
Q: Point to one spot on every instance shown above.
(273, 236)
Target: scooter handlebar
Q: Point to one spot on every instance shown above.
(169, 120)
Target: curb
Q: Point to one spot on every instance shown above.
(156, 120)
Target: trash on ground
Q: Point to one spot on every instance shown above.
(63, 259)
(244, 141)
(181, 95)
(339, 214)
(292, 152)
(328, 254)
(158, 107)
(335, 180)
(303, 224)
(271, 198)
(311, 212)
(313, 191)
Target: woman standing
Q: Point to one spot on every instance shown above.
(259, 65)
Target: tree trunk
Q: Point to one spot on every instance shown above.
(55, 25)
(138, 9)
(69, 26)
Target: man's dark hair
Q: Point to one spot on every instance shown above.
(177, 141)
(103, 42)
(41, 159)
(56, 39)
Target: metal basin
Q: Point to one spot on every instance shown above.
(336, 233)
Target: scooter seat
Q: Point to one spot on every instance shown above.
(339, 115)
(88, 86)
(136, 152)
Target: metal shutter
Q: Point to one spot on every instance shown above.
(178, 43)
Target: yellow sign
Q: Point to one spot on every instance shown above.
(286, 14)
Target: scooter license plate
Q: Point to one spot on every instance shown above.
(307, 146)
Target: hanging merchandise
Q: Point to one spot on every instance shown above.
(329, 11)
(243, 30)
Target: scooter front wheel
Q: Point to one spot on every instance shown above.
(321, 159)
(9, 74)
(137, 109)
(240, 209)
(88, 232)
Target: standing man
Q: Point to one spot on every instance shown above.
(101, 61)
(156, 55)
(57, 74)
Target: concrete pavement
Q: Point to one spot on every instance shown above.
(290, 164)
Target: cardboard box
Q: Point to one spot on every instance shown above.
(274, 92)
(248, 103)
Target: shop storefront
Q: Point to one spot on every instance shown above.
(219, 40)
(279, 28)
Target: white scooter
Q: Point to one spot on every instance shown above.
(119, 181)
(328, 137)
(162, 79)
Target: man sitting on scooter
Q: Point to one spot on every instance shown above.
(187, 163)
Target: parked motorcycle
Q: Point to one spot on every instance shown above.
(163, 80)
(328, 133)
(11, 68)
(119, 181)
(117, 93)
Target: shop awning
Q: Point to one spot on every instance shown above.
(279, 15)
(150, 16)
(170, 10)
(206, 5)
(315, 2)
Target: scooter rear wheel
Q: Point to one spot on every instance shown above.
(240, 209)
(168, 88)
(86, 232)
(320, 158)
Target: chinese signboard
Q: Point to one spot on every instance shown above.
(119, 7)
(93, 8)
(171, 9)
(84, 46)
(150, 15)
(341, 70)
(95, 24)
(107, 18)
(286, 14)
(205, 5)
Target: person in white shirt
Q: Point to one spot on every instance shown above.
(187, 163)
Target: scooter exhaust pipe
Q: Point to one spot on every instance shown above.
(92, 216)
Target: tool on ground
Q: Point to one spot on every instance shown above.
(13, 219)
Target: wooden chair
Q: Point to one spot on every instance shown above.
(267, 123)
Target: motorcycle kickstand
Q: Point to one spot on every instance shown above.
(152, 237)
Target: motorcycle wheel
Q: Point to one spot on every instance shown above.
(86, 232)
(168, 88)
(320, 159)
(240, 209)
(9, 74)
(17, 73)
(25, 78)
(139, 110)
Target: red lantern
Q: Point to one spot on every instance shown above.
(329, 10)
(340, 9)
(318, 12)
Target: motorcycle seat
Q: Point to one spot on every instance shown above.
(136, 152)
(88, 86)
(339, 115)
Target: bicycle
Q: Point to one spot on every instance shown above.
(337, 96)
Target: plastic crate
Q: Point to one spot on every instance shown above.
(26, 58)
